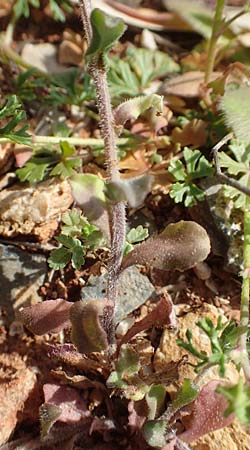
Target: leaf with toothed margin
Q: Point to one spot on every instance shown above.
(87, 332)
(187, 394)
(154, 433)
(48, 415)
(155, 399)
(179, 247)
(126, 365)
(88, 192)
(106, 32)
(133, 108)
(50, 316)
(133, 191)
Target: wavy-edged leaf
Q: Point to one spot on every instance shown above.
(106, 32)
(155, 399)
(50, 316)
(154, 433)
(133, 108)
(87, 332)
(179, 247)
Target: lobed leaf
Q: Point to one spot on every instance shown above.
(179, 247)
(50, 316)
(87, 332)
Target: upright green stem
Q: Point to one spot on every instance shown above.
(97, 70)
(217, 21)
(245, 290)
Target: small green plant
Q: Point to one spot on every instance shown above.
(13, 114)
(197, 167)
(46, 162)
(99, 359)
(77, 236)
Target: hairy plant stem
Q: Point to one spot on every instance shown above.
(217, 22)
(97, 70)
(245, 291)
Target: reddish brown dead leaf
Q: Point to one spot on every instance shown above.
(50, 316)
(159, 316)
(136, 162)
(193, 133)
(206, 413)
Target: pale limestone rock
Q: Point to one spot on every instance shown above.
(27, 209)
(233, 437)
(169, 350)
(18, 384)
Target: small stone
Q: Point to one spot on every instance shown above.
(18, 384)
(35, 210)
(43, 57)
(21, 275)
(233, 437)
(169, 351)
(70, 53)
(134, 289)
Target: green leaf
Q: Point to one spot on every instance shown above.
(32, 172)
(14, 115)
(77, 258)
(133, 108)
(137, 234)
(59, 258)
(154, 433)
(133, 74)
(106, 32)
(238, 397)
(186, 395)
(196, 167)
(56, 11)
(155, 399)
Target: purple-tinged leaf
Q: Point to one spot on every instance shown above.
(88, 192)
(206, 413)
(158, 317)
(50, 316)
(133, 108)
(179, 247)
(132, 191)
(62, 403)
(87, 332)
